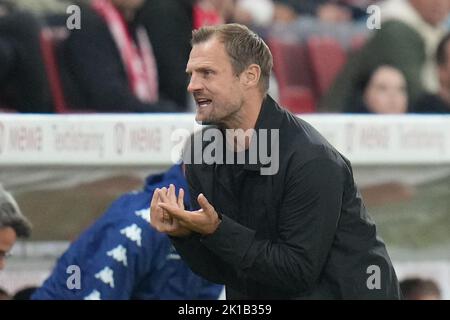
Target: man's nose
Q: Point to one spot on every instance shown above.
(194, 84)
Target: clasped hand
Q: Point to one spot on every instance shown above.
(168, 214)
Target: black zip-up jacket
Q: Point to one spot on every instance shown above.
(302, 232)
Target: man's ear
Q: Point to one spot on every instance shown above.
(251, 75)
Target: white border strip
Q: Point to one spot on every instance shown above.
(136, 139)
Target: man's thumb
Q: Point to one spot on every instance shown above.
(203, 202)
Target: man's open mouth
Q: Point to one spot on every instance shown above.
(203, 102)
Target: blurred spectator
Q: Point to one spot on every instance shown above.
(254, 13)
(169, 24)
(420, 289)
(41, 7)
(4, 295)
(50, 12)
(383, 91)
(333, 11)
(349, 35)
(171, 37)
(440, 102)
(13, 225)
(24, 293)
(407, 40)
(5, 8)
(212, 12)
(23, 82)
(121, 256)
(111, 60)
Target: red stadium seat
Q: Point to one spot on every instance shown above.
(48, 39)
(51, 39)
(327, 58)
(358, 42)
(291, 67)
(298, 99)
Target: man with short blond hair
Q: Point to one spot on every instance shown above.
(291, 227)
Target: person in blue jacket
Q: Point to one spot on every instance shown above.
(121, 256)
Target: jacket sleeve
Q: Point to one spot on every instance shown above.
(203, 261)
(308, 219)
(200, 259)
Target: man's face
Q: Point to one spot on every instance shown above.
(7, 240)
(216, 88)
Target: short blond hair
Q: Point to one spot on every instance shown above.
(243, 46)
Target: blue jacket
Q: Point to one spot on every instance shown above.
(122, 257)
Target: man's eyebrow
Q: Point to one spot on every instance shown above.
(203, 69)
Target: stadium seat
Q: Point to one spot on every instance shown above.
(51, 40)
(327, 58)
(298, 99)
(291, 67)
(357, 42)
(49, 37)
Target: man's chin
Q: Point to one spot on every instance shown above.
(205, 122)
(203, 119)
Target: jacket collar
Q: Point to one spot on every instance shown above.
(270, 117)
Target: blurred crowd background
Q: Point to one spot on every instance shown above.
(353, 56)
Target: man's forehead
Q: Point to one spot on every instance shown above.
(201, 62)
(211, 47)
(207, 54)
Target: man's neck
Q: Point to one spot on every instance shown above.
(241, 123)
(247, 116)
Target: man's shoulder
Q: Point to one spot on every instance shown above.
(298, 134)
(301, 143)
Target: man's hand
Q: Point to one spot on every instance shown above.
(162, 220)
(204, 221)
